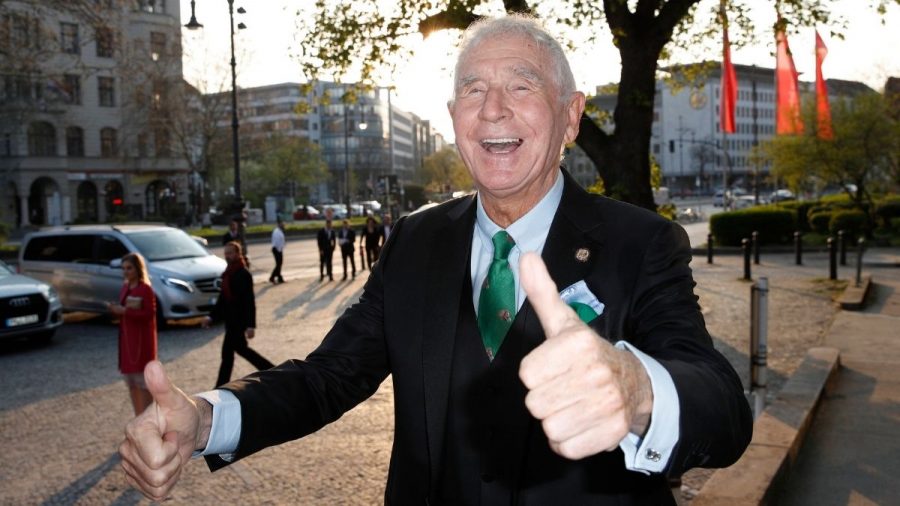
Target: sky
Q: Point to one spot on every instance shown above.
(867, 54)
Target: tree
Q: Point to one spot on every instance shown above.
(280, 165)
(446, 172)
(366, 35)
(865, 149)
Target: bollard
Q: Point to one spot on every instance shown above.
(798, 248)
(860, 248)
(759, 335)
(755, 242)
(842, 246)
(709, 248)
(832, 259)
(362, 256)
(745, 246)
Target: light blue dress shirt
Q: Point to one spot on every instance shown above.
(648, 454)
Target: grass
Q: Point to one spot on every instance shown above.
(266, 228)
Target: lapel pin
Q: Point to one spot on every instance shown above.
(582, 255)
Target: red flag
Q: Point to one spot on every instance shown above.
(787, 104)
(823, 110)
(729, 85)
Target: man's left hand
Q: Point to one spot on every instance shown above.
(587, 393)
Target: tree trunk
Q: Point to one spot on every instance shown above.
(623, 158)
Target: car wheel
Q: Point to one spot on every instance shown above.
(161, 322)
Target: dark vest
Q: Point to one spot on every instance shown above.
(496, 453)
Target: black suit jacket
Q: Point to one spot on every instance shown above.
(405, 322)
(351, 239)
(239, 313)
(326, 239)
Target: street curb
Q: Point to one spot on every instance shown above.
(778, 435)
(854, 297)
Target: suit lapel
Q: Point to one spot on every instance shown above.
(446, 268)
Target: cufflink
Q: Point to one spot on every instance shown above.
(652, 455)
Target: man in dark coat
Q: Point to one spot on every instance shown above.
(236, 305)
(326, 240)
(346, 237)
(545, 344)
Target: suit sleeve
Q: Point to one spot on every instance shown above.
(665, 322)
(299, 397)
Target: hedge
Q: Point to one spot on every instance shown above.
(819, 222)
(888, 209)
(773, 224)
(801, 210)
(852, 222)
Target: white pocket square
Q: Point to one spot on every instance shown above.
(580, 298)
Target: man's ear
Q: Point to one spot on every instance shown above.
(574, 109)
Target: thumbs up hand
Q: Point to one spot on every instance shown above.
(587, 393)
(160, 441)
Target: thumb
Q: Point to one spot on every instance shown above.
(161, 388)
(554, 314)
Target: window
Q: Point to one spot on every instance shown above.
(108, 145)
(19, 31)
(161, 142)
(41, 139)
(72, 84)
(106, 90)
(109, 248)
(68, 38)
(142, 145)
(153, 5)
(104, 40)
(60, 248)
(74, 141)
(157, 45)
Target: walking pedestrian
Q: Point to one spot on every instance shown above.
(136, 310)
(231, 234)
(347, 238)
(386, 227)
(237, 307)
(371, 236)
(277, 252)
(326, 242)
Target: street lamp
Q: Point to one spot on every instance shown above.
(235, 144)
(347, 133)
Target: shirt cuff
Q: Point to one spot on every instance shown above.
(651, 453)
(225, 432)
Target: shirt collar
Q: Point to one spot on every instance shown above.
(523, 230)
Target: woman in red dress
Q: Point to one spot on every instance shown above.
(136, 310)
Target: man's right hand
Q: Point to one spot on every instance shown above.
(160, 441)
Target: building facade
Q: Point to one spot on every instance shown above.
(82, 88)
(367, 137)
(693, 154)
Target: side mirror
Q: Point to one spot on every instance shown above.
(115, 263)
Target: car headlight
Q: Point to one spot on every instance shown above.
(50, 294)
(180, 284)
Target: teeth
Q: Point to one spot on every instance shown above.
(502, 140)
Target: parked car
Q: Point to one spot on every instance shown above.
(306, 213)
(29, 308)
(744, 201)
(368, 206)
(719, 198)
(781, 195)
(83, 264)
(339, 210)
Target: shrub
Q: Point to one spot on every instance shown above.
(819, 222)
(852, 222)
(773, 224)
(887, 209)
(801, 210)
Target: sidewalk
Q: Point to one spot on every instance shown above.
(852, 451)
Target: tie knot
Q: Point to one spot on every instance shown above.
(503, 244)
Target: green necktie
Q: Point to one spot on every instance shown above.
(497, 305)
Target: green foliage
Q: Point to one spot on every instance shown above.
(820, 221)
(801, 210)
(887, 210)
(445, 172)
(667, 211)
(852, 222)
(774, 225)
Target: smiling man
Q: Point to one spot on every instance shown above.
(550, 351)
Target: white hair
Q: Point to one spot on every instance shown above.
(518, 25)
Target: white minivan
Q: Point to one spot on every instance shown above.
(83, 263)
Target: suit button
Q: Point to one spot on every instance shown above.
(487, 477)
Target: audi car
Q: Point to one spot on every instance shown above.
(28, 308)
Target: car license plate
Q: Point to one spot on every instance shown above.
(21, 320)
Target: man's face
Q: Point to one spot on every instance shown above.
(231, 254)
(509, 122)
(233, 226)
(388, 219)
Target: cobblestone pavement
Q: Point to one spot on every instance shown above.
(63, 406)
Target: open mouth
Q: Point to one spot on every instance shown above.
(501, 145)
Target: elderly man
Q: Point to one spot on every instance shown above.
(550, 351)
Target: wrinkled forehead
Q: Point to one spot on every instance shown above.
(513, 53)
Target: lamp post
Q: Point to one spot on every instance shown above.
(347, 133)
(238, 205)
